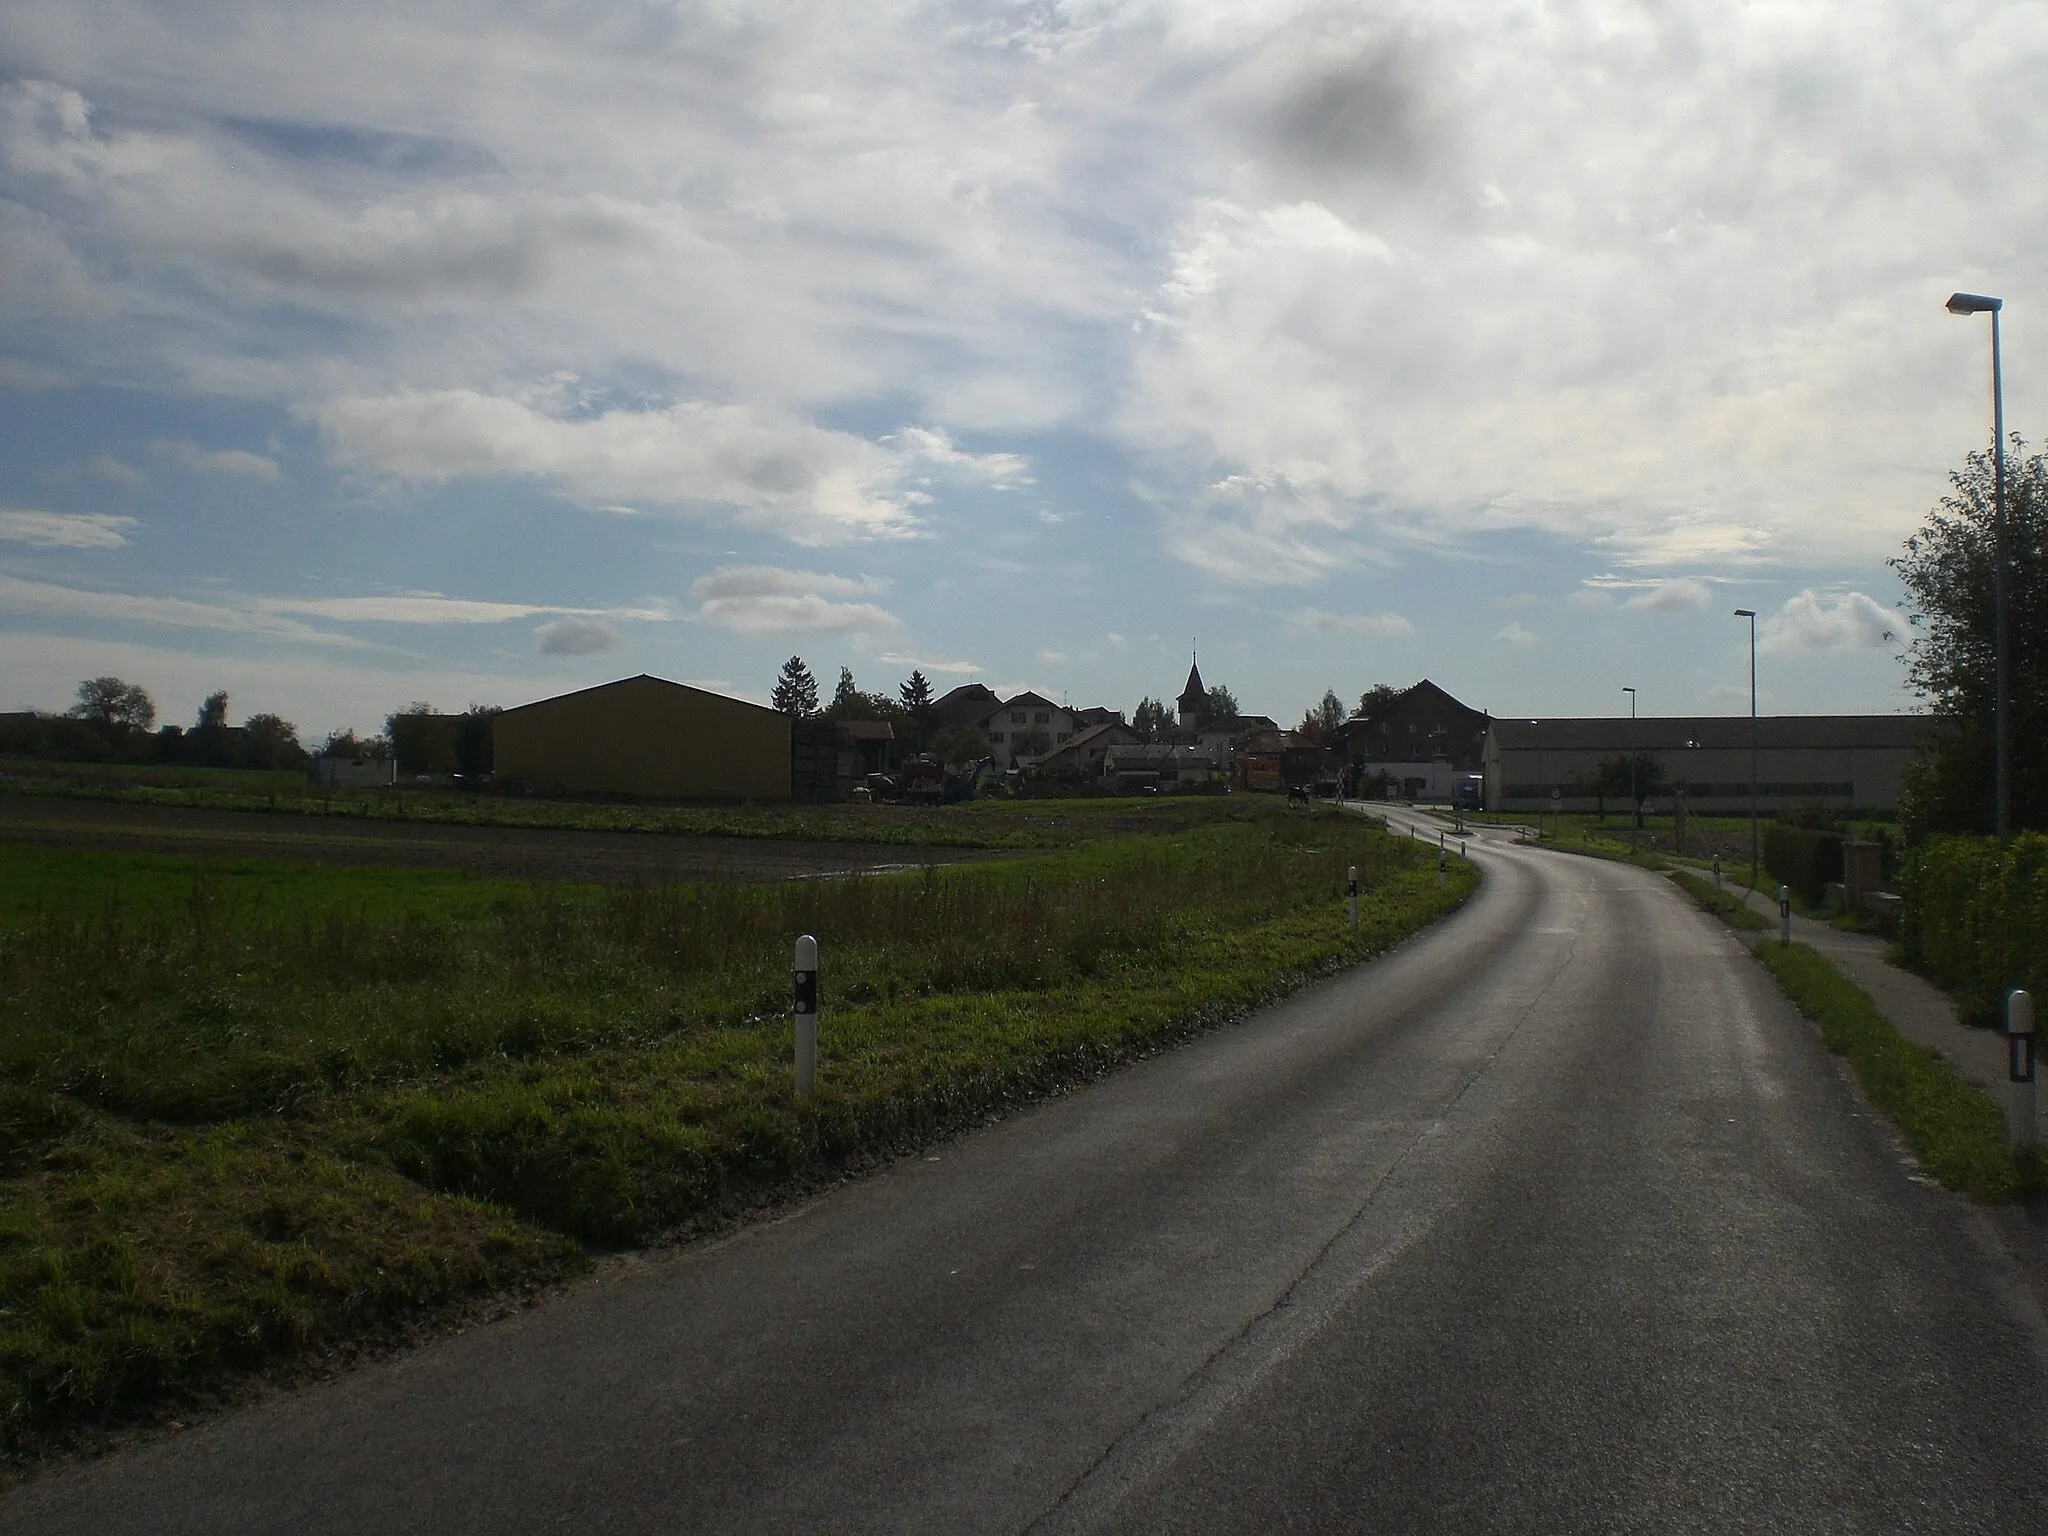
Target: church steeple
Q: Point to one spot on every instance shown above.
(1194, 699)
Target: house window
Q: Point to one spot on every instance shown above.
(995, 735)
(1043, 717)
(1066, 735)
(1017, 718)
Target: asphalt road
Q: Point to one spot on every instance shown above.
(1557, 1219)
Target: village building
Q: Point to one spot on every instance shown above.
(1423, 741)
(647, 737)
(1023, 729)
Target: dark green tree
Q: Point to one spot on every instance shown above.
(1951, 658)
(1377, 698)
(916, 694)
(796, 691)
(270, 741)
(114, 706)
(1220, 705)
(1637, 773)
(957, 745)
(213, 712)
(1152, 720)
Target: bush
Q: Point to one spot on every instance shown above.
(1802, 858)
(1976, 917)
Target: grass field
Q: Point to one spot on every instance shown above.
(252, 1113)
(1002, 823)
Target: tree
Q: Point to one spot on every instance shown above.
(1327, 714)
(347, 744)
(1152, 720)
(213, 712)
(115, 708)
(1220, 704)
(846, 694)
(272, 742)
(916, 694)
(1376, 698)
(474, 749)
(1951, 659)
(1640, 774)
(960, 744)
(796, 691)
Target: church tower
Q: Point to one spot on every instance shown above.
(1193, 702)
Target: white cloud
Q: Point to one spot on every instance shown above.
(1317, 622)
(1051, 658)
(434, 608)
(1677, 596)
(224, 461)
(949, 668)
(1851, 622)
(768, 600)
(63, 530)
(107, 467)
(808, 483)
(36, 597)
(575, 637)
(1517, 633)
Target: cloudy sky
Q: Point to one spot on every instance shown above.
(359, 354)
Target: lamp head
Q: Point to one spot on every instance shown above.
(1745, 613)
(1974, 304)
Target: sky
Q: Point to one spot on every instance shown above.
(358, 355)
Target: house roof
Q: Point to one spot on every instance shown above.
(1424, 695)
(1157, 755)
(1604, 733)
(1236, 725)
(1025, 700)
(1194, 691)
(1106, 736)
(969, 702)
(627, 682)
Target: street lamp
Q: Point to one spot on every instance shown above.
(1750, 614)
(1980, 304)
(1635, 804)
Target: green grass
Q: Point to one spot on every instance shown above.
(1724, 904)
(250, 1112)
(1955, 1130)
(993, 823)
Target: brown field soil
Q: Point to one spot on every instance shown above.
(518, 853)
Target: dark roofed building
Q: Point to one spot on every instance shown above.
(1193, 702)
(969, 704)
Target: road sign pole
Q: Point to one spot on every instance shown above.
(2019, 1047)
(806, 1012)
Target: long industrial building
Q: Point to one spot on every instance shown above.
(646, 737)
(1842, 762)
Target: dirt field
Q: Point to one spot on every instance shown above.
(594, 858)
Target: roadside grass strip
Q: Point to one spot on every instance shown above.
(249, 1123)
(1955, 1130)
(1724, 904)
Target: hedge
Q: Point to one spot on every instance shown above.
(1803, 859)
(1976, 917)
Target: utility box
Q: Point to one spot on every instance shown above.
(1862, 873)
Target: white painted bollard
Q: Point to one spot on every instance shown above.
(806, 1014)
(1439, 858)
(1717, 872)
(1784, 914)
(2019, 1053)
(1351, 892)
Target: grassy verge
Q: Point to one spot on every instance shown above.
(246, 1120)
(1957, 1131)
(1003, 823)
(1954, 1129)
(1724, 904)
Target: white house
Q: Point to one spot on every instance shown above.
(1025, 728)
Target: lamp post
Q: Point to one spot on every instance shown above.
(1981, 304)
(1635, 804)
(1750, 614)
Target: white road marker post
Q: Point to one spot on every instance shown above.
(1717, 872)
(1351, 892)
(2019, 1061)
(806, 1014)
(1439, 858)
(1785, 914)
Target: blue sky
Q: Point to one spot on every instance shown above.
(471, 353)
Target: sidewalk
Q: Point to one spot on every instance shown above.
(1918, 1009)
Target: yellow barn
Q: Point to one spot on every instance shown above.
(648, 737)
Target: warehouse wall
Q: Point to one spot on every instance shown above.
(648, 737)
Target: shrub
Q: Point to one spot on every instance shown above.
(1976, 916)
(1802, 858)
